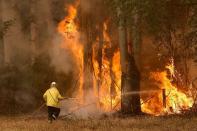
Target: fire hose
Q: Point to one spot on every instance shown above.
(147, 100)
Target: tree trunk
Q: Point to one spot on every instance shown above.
(112, 75)
(136, 36)
(88, 65)
(100, 55)
(134, 62)
(125, 85)
(134, 81)
(130, 86)
(1, 35)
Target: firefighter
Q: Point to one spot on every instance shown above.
(52, 98)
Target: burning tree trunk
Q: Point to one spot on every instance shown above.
(164, 97)
(112, 75)
(100, 54)
(1, 35)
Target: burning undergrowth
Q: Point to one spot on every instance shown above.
(169, 98)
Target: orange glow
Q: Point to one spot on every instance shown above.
(176, 100)
(68, 29)
(108, 91)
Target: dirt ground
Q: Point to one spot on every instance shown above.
(170, 123)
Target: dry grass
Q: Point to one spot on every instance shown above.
(172, 123)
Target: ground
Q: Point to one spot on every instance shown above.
(173, 123)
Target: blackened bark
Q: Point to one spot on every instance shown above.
(134, 79)
(125, 84)
(134, 62)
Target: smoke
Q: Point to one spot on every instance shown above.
(94, 7)
(28, 37)
(86, 5)
(33, 34)
(22, 97)
(61, 58)
(45, 39)
(66, 57)
(89, 109)
(16, 47)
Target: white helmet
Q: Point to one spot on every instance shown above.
(53, 84)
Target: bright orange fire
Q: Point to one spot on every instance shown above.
(69, 30)
(176, 100)
(108, 91)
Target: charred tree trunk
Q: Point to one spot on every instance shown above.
(1, 35)
(125, 85)
(134, 81)
(134, 62)
(164, 97)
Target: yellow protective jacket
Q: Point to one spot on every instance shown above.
(52, 97)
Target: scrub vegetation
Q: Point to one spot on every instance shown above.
(136, 123)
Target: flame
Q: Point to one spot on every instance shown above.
(176, 99)
(69, 30)
(108, 90)
(109, 99)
